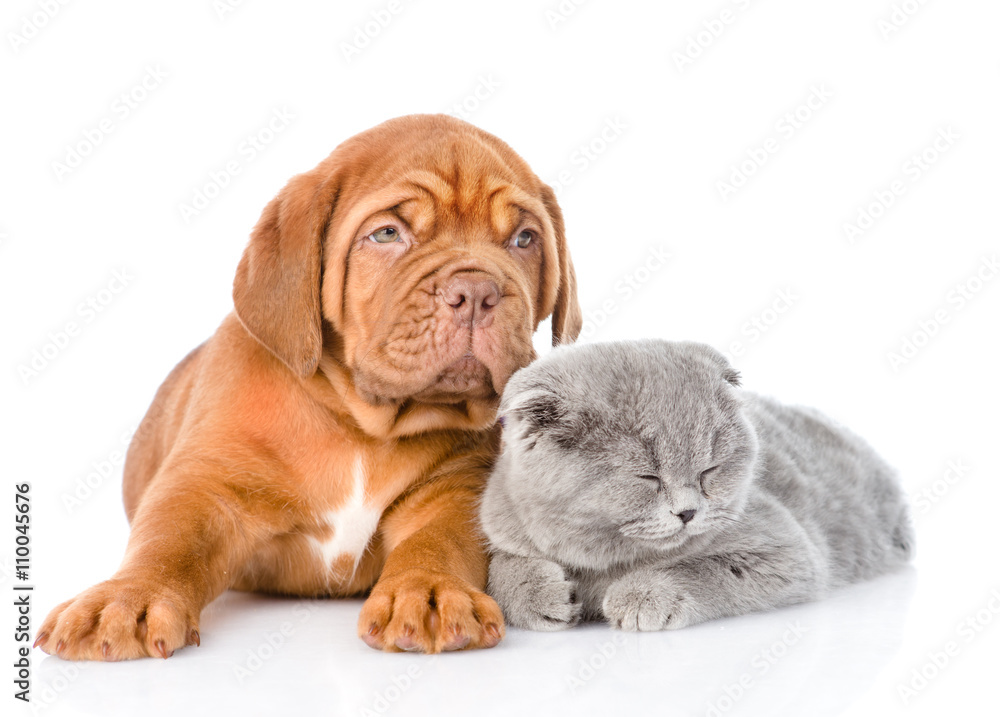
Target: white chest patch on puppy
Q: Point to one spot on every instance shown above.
(353, 523)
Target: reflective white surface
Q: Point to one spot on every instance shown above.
(262, 654)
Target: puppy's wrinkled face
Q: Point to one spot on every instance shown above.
(615, 452)
(440, 298)
(445, 270)
(410, 269)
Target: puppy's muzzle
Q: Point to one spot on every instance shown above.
(473, 296)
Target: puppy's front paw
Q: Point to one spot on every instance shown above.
(422, 611)
(646, 603)
(120, 619)
(533, 593)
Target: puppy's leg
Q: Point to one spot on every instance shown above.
(189, 536)
(430, 595)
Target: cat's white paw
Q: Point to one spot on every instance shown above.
(636, 604)
(533, 593)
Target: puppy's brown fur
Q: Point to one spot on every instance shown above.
(333, 435)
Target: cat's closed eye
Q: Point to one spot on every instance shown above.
(653, 481)
(705, 478)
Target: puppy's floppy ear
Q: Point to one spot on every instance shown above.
(567, 318)
(276, 291)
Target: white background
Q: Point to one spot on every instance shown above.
(547, 84)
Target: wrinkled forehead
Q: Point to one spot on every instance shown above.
(435, 174)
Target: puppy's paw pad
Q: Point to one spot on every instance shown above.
(421, 611)
(119, 619)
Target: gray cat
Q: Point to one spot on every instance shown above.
(639, 485)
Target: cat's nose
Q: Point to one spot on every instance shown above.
(686, 515)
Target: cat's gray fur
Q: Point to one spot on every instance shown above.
(796, 505)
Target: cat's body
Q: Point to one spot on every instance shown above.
(638, 484)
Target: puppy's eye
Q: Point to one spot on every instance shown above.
(705, 478)
(385, 235)
(522, 240)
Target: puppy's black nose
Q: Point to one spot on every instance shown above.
(686, 515)
(473, 297)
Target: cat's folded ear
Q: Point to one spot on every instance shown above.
(716, 360)
(731, 375)
(535, 409)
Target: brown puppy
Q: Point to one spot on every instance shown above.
(333, 435)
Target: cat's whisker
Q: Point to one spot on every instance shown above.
(731, 516)
(638, 527)
(656, 532)
(724, 525)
